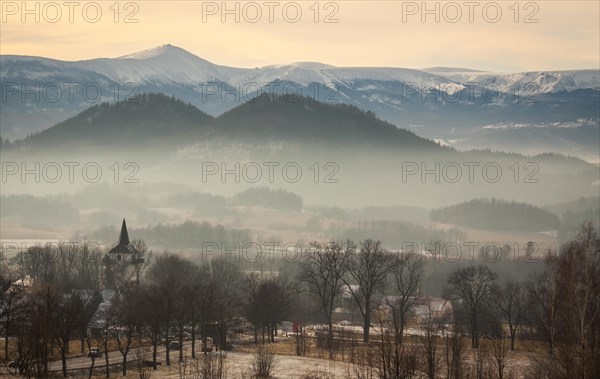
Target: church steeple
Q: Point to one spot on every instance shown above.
(124, 236)
(124, 246)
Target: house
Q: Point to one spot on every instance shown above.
(427, 306)
(348, 289)
(422, 307)
(341, 314)
(99, 320)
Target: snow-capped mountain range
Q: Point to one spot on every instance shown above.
(169, 64)
(38, 92)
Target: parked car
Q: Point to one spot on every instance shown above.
(14, 365)
(149, 363)
(344, 323)
(174, 346)
(94, 353)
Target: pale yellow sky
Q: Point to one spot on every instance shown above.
(542, 35)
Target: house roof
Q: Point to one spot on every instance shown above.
(421, 305)
(348, 289)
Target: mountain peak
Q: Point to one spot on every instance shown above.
(166, 49)
(161, 64)
(303, 65)
(440, 69)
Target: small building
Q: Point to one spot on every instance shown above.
(205, 345)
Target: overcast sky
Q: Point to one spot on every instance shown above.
(543, 35)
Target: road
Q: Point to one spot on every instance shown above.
(115, 357)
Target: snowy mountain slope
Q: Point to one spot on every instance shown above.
(306, 73)
(163, 64)
(534, 82)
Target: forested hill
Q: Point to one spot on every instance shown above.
(497, 215)
(302, 119)
(134, 121)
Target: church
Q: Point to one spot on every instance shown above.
(122, 263)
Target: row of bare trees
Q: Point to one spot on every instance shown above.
(368, 273)
(565, 308)
(48, 301)
(560, 305)
(177, 299)
(47, 298)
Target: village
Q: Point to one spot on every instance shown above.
(72, 310)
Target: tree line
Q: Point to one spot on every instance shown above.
(497, 215)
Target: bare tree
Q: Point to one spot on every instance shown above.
(578, 272)
(40, 331)
(151, 310)
(391, 360)
(66, 318)
(497, 352)
(252, 306)
(227, 301)
(271, 303)
(472, 286)
(322, 272)
(170, 275)
(210, 366)
(9, 295)
(87, 265)
(368, 270)
(200, 300)
(544, 302)
(453, 350)
(406, 275)
(509, 300)
(126, 310)
(140, 358)
(39, 263)
(143, 258)
(431, 327)
(263, 362)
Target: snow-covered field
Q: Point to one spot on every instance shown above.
(239, 366)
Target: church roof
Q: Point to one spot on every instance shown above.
(123, 246)
(124, 236)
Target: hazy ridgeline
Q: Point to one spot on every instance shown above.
(94, 212)
(347, 157)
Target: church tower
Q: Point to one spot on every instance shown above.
(123, 261)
